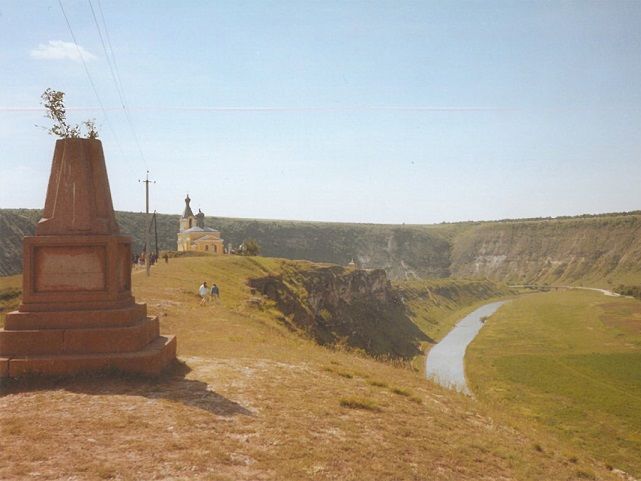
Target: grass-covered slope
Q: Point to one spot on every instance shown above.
(257, 401)
(570, 361)
(435, 305)
(10, 293)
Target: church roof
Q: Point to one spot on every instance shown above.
(187, 213)
(200, 229)
(208, 238)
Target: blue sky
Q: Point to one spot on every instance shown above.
(415, 112)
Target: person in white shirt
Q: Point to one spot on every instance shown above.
(204, 293)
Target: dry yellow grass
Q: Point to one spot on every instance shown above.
(10, 290)
(256, 402)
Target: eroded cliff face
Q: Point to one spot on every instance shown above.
(334, 286)
(334, 305)
(579, 249)
(554, 251)
(405, 253)
(14, 226)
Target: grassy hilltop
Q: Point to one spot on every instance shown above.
(259, 399)
(595, 250)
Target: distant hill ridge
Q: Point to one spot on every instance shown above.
(587, 248)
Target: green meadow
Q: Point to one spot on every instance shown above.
(571, 362)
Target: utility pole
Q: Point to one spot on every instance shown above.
(147, 253)
(147, 182)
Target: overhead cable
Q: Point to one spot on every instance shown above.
(113, 69)
(93, 85)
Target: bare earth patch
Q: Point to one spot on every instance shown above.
(225, 419)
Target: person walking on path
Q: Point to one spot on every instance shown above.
(203, 291)
(215, 293)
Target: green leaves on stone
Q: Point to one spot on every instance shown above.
(53, 102)
(90, 124)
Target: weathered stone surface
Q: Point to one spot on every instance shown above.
(28, 343)
(78, 196)
(151, 360)
(77, 341)
(120, 339)
(123, 317)
(4, 367)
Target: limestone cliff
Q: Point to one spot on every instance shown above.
(554, 251)
(590, 249)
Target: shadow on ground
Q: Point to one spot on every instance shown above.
(173, 386)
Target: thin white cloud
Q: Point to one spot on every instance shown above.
(59, 50)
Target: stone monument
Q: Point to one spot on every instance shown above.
(77, 312)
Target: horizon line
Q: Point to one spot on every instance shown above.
(584, 215)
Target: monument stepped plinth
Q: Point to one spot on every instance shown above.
(77, 312)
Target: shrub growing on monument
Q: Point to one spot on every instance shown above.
(54, 103)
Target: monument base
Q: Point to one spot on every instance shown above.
(152, 360)
(72, 342)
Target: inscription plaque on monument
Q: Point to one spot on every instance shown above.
(61, 269)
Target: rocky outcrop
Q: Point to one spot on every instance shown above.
(337, 306)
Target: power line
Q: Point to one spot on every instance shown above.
(113, 56)
(345, 109)
(113, 69)
(107, 56)
(93, 85)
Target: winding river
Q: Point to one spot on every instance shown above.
(445, 361)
